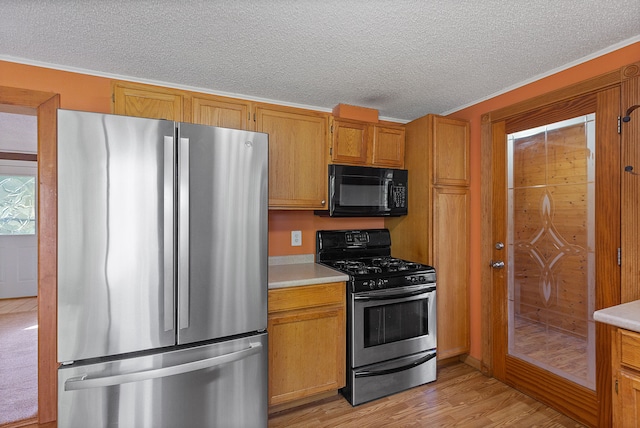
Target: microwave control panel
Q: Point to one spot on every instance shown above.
(399, 195)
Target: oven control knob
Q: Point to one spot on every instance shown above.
(380, 283)
(414, 279)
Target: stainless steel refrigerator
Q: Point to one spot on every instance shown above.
(162, 273)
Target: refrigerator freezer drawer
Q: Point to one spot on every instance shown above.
(217, 385)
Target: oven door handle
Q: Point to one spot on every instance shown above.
(368, 373)
(393, 296)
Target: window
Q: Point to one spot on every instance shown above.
(17, 205)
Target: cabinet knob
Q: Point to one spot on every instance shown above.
(322, 202)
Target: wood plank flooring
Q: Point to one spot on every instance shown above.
(461, 397)
(24, 304)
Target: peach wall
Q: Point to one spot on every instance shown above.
(592, 68)
(281, 223)
(77, 91)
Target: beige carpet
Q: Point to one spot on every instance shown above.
(18, 366)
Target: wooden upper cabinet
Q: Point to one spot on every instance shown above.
(221, 111)
(363, 143)
(450, 152)
(388, 147)
(350, 142)
(134, 99)
(297, 156)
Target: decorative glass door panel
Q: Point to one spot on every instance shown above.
(551, 251)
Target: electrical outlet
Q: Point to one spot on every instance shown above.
(296, 238)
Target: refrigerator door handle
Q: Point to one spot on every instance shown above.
(84, 382)
(183, 234)
(168, 233)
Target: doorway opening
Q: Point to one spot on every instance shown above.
(18, 265)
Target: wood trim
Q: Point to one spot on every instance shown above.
(607, 238)
(19, 156)
(498, 285)
(486, 295)
(47, 260)
(603, 81)
(631, 186)
(555, 112)
(46, 104)
(581, 404)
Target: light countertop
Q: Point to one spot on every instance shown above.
(626, 315)
(294, 271)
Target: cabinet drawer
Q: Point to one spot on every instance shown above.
(308, 296)
(630, 349)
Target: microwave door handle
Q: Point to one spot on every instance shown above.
(390, 204)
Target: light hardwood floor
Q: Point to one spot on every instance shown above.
(461, 397)
(25, 304)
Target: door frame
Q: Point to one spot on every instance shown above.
(45, 105)
(492, 309)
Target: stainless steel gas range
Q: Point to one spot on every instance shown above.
(391, 313)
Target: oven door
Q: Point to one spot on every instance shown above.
(392, 323)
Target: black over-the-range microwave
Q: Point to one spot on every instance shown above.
(360, 191)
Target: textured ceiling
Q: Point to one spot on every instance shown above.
(404, 58)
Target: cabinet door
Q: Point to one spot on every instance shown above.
(221, 111)
(450, 152)
(388, 147)
(297, 156)
(626, 401)
(350, 142)
(306, 353)
(450, 250)
(132, 99)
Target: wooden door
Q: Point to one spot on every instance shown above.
(451, 156)
(350, 142)
(556, 223)
(450, 249)
(297, 156)
(132, 99)
(218, 111)
(388, 147)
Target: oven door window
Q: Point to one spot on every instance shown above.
(395, 322)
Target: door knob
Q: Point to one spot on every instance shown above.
(498, 264)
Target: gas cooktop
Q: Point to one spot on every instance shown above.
(376, 265)
(365, 255)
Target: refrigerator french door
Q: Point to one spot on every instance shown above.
(162, 271)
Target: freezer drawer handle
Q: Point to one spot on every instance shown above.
(367, 373)
(82, 382)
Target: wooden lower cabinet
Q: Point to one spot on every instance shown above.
(450, 256)
(626, 378)
(307, 339)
